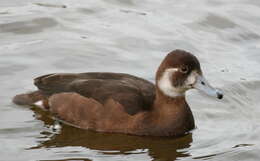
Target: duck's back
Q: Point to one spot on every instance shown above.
(133, 93)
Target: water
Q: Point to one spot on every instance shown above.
(40, 37)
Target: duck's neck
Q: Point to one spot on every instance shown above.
(170, 106)
(173, 114)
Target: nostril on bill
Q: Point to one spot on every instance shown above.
(203, 83)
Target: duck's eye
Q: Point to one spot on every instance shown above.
(184, 69)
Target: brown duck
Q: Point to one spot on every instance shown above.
(122, 103)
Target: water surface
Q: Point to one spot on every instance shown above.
(40, 37)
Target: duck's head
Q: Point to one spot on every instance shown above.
(179, 72)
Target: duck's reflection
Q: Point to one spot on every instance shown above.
(159, 148)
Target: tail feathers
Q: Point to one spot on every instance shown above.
(29, 98)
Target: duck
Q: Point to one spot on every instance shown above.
(123, 103)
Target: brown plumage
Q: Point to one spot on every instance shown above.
(117, 102)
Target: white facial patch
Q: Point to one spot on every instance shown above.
(165, 83)
(191, 79)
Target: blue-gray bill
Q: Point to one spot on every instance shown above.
(203, 85)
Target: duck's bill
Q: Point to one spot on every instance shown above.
(203, 85)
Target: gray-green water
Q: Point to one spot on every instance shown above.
(131, 36)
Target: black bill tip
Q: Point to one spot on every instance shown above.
(220, 95)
